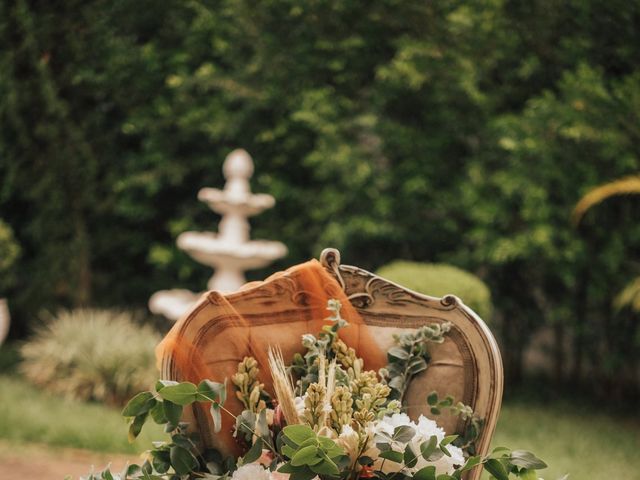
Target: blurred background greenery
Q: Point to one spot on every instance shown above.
(447, 132)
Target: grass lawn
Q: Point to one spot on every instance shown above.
(574, 440)
(29, 415)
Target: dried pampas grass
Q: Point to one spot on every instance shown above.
(283, 386)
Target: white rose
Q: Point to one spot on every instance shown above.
(389, 423)
(251, 471)
(426, 428)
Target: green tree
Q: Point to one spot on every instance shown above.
(456, 132)
(520, 196)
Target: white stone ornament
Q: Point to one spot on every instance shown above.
(230, 252)
(5, 320)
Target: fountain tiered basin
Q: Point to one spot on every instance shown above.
(207, 248)
(230, 251)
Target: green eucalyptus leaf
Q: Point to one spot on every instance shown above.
(397, 353)
(410, 458)
(496, 468)
(435, 456)
(383, 446)
(309, 441)
(432, 398)
(161, 461)
(302, 473)
(417, 365)
(182, 460)
(331, 448)
(146, 467)
(182, 393)
(136, 426)
(298, 433)
(403, 433)
(288, 451)
(342, 461)
(106, 475)
(526, 474)
(160, 384)
(253, 453)
(182, 441)
(426, 473)
(212, 391)
(216, 417)
(157, 413)
(244, 426)
(472, 462)
(326, 467)
(141, 403)
(393, 456)
(445, 450)
(397, 383)
(500, 452)
(173, 412)
(427, 448)
(130, 470)
(447, 402)
(525, 459)
(305, 456)
(286, 468)
(448, 439)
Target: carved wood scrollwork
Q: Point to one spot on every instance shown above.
(363, 288)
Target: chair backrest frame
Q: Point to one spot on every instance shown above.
(382, 302)
(467, 364)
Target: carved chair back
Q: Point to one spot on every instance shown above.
(466, 366)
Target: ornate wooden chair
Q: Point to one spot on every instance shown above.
(467, 365)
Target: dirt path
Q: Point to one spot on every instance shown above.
(36, 462)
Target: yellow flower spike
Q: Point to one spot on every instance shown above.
(342, 408)
(254, 397)
(314, 406)
(247, 384)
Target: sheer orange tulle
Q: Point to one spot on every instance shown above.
(221, 330)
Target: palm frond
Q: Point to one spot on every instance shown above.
(625, 186)
(629, 296)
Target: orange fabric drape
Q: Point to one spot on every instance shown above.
(221, 330)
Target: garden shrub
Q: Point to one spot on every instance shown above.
(86, 354)
(438, 279)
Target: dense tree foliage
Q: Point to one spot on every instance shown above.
(434, 131)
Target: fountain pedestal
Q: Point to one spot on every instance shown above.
(230, 252)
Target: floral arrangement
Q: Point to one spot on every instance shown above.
(327, 419)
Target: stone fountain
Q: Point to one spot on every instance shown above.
(230, 252)
(5, 320)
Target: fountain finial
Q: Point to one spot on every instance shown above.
(238, 164)
(230, 252)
